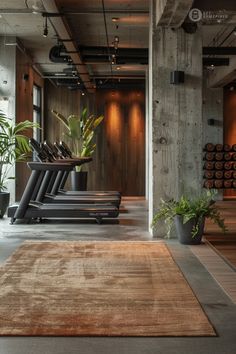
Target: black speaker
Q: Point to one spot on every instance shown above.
(25, 77)
(211, 121)
(176, 77)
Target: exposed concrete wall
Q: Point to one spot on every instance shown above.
(176, 116)
(7, 89)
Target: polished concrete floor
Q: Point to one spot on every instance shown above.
(132, 225)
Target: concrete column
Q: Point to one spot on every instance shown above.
(176, 140)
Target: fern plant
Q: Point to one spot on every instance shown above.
(80, 132)
(198, 208)
(14, 146)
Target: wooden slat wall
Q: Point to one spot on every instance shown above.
(229, 124)
(24, 108)
(119, 160)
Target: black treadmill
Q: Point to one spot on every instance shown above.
(59, 152)
(48, 194)
(28, 208)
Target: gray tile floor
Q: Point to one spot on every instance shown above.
(132, 226)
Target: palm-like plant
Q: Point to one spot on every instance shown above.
(14, 146)
(197, 208)
(80, 132)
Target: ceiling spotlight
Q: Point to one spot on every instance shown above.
(115, 19)
(45, 30)
(210, 67)
(118, 68)
(116, 42)
(113, 59)
(82, 93)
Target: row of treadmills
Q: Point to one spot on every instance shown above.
(45, 197)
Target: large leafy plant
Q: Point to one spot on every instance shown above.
(80, 132)
(198, 208)
(14, 146)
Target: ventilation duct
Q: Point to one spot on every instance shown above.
(71, 84)
(58, 54)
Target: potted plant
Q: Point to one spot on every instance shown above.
(189, 216)
(80, 137)
(14, 147)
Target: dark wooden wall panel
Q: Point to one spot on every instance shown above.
(24, 108)
(229, 124)
(119, 160)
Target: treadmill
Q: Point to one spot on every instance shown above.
(63, 150)
(56, 182)
(49, 186)
(28, 208)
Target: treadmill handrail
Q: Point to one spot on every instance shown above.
(77, 161)
(50, 166)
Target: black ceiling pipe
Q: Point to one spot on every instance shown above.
(57, 54)
(215, 61)
(67, 82)
(125, 52)
(89, 59)
(219, 50)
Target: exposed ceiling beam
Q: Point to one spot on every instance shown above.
(172, 13)
(15, 11)
(62, 30)
(71, 13)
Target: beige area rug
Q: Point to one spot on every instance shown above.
(97, 289)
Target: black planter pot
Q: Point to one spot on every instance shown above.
(79, 180)
(184, 231)
(4, 202)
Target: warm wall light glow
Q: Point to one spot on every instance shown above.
(136, 120)
(115, 19)
(137, 20)
(114, 121)
(229, 125)
(230, 118)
